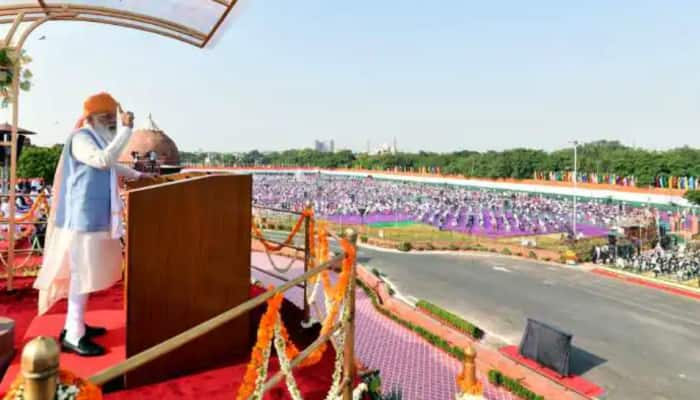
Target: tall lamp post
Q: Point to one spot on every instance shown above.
(575, 143)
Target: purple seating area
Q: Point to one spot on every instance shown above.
(474, 211)
(500, 225)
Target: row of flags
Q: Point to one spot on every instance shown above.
(586, 177)
(418, 170)
(677, 182)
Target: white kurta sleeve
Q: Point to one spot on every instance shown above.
(123, 170)
(85, 150)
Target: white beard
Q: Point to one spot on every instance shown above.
(106, 133)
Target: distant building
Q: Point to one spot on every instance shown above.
(324, 147)
(385, 148)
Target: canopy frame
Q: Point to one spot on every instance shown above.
(19, 15)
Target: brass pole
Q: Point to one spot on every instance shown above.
(205, 327)
(349, 368)
(40, 368)
(13, 143)
(308, 237)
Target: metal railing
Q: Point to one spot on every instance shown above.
(306, 249)
(20, 257)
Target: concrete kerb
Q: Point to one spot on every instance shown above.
(487, 357)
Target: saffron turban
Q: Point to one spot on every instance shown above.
(100, 103)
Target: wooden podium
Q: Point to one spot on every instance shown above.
(188, 259)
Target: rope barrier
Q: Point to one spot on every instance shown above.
(271, 247)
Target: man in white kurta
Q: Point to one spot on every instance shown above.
(79, 260)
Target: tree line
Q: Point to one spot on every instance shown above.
(602, 157)
(599, 157)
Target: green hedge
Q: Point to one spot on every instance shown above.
(514, 386)
(430, 337)
(532, 254)
(363, 238)
(451, 319)
(506, 251)
(405, 246)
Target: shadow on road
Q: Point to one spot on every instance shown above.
(363, 259)
(583, 361)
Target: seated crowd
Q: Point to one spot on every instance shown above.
(448, 207)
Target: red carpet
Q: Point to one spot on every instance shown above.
(106, 308)
(643, 282)
(52, 324)
(575, 383)
(223, 383)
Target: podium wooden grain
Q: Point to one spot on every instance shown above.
(188, 259)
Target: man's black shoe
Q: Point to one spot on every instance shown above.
(86, 347)
(90, 331)
(94, 331)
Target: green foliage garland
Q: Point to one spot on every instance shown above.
(8, 62)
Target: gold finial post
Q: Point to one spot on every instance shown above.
(40, 368)
(351, 236)
(469, 373)
(469, 387)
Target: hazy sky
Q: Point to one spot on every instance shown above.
(442, 75)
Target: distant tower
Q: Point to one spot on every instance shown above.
(332, 146)
(368, 147)
(394, 150)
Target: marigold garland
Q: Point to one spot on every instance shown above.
(265, 334)
(67, 382)
(271, 319)
(336, 294)
(277, 247)
(41, 199)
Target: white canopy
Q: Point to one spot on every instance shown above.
(191, 21)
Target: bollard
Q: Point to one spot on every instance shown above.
(469, 372)
(469, 387)
(40, 368)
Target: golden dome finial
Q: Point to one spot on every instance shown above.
(40, 368)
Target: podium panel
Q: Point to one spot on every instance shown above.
(188, 259)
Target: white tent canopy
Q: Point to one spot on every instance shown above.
(191, 21)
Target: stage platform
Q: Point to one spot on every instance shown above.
(575, 383)
(106, 309)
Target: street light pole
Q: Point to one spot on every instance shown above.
(575, 185)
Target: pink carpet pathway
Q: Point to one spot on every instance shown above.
(405, 360)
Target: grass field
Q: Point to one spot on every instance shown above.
(400, 224)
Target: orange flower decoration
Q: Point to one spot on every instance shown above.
(86, 389)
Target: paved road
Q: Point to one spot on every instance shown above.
(638, 343)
